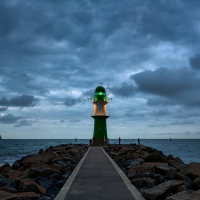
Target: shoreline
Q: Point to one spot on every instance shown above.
(154, 174)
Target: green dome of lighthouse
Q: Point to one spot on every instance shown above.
(100, 94)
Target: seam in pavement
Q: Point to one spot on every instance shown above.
(136, 194)
(61, 195)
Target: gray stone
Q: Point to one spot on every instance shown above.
(159, 169)
(197, 182)
(53, 191)
(142, 182)
(43, 181)
(162, 190)
(5, 182)
(185, 195)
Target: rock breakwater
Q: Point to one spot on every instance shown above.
(156, 176)
(40, 176)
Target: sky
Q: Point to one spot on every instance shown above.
(53, 54)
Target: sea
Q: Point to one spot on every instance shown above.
(14, 149)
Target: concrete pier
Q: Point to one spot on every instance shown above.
(97, 177)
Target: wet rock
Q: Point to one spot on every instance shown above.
(18, 196)
(30, 186)
(159, 169)
(155, 157)
(130, 162)
(15, 165)
(55, 177)
(4, 169)
(141, 168)
(197, 182)
(39, 171)
(191, 185)
(177, 165)
(142, 182)
(13, 174)
(44, 182)
(65, 176)
(53, 191)
(158, 178)
(192, 170)
(123, 150)
(60, 183)
(131, 173)
(61, 163)
(176, 175)
(5, 182)
(185, 195)
(160, 191)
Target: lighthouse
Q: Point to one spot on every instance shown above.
(100, 115)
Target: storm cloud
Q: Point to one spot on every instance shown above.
(9, 119)
(55, 53)
(19, 101)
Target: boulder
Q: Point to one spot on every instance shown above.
(5, 182)
(160, 191)
(142, 182)
(39, 171)
(60, 183)
(124, 149)
(176, 164)
(176, 175)
(53, 191)
(197, 182)
(130, 162)
(44, 182)
(158, 178)
(18, 196)
(159, 169)
(4, 169)
(8, 189)
(192, 170)
(13, 174)
(27, 185)
(141, 168)
(15, 165)
(131, 173)
(155, 157)
(185, 195)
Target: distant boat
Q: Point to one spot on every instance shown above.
(0, 137)
(170, 139)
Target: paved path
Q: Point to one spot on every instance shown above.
(97, 179)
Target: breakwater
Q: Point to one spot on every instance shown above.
(155, 175)
(42, 175)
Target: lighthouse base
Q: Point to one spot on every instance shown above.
(100, 142)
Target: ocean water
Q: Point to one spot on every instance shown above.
(14, 149)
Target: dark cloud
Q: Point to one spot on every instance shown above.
(185, 122)
(195, 61)
(19, 101)
(162, 112)
(75, 120)
(171, 86)
(72, 102)
(23, 123)
(9, 119)
(3, 109)
(124, 90)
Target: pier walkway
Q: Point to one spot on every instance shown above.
(97, 177)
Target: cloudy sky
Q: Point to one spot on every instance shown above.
(53, 54)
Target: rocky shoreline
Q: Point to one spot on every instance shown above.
(156, 176)
(40, 176)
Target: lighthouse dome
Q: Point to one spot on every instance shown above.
(100, 94)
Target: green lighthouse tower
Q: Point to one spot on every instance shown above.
(100, 115)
